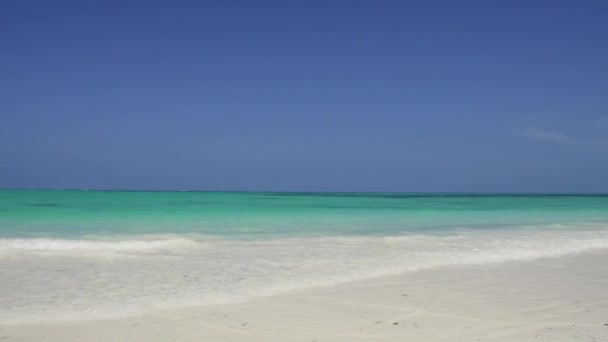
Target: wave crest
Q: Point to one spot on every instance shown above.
(64, 245)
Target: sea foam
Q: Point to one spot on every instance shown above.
(67, 245)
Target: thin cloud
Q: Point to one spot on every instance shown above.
(559, 137)
(535, 133)
(603, 122)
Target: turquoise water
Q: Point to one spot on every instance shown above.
(77, 213)
(91, 254)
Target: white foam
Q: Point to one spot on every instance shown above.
(65, 245)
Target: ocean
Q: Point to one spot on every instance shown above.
(96, 254)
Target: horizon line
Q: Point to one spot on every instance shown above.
(315, 191)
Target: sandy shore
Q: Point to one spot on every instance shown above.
(549, 299)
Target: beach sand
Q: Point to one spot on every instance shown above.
(548, 299)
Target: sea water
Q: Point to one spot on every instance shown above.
(95, 254)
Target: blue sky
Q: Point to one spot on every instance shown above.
(307, 96)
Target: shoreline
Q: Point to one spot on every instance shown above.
(546, 299)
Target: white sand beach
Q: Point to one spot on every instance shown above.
(548, 299)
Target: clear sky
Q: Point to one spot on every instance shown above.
(305, 95)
